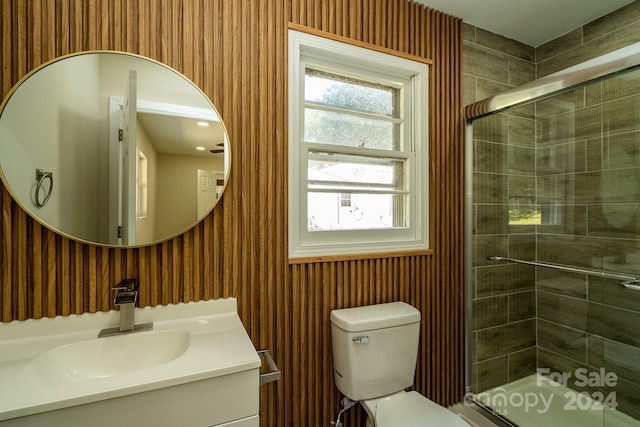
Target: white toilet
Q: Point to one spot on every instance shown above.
(374, 357)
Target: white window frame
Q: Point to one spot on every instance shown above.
(309, 49)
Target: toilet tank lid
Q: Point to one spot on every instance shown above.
(378, 316)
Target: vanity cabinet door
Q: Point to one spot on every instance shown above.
(227, 400)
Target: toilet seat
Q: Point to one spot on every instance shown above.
(411, 409)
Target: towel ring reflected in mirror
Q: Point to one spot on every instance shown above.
(41, 176)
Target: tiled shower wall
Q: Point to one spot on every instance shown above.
(504, 163)
(504, 294)
(505, 298)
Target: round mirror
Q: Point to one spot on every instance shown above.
(112, 149)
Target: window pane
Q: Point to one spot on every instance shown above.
(328, 127)
(350, 93)
(341, 171)
(365, 211)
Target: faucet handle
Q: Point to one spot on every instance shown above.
(127, 285)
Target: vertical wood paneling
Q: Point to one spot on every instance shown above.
(236, 52)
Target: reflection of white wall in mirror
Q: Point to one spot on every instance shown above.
(177, 189)
(70, 128)
(145, 226)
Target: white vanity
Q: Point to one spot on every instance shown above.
(197, 367)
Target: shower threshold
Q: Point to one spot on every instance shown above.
(537, 401)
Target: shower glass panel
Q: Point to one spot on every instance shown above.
(556, 184)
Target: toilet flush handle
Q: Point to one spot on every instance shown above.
(362, 339)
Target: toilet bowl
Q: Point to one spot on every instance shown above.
(409, 409)
(374, 356)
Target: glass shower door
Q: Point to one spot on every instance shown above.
(588, 193)
(556, 198)
(617, 223)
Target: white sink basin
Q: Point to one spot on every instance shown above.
(104, 357)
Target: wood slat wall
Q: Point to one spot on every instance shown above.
(236, 51)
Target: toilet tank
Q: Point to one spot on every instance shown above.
(374, 349)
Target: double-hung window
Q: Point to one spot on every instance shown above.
(358, 149)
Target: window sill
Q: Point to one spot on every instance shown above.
(356, 257)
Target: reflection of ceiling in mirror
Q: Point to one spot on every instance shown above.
(155, 82)
(166, 130)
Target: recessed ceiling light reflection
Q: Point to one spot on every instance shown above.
(203, 124)
(200, 148)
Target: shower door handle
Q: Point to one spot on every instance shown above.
(633, 284)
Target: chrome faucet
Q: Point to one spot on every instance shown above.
(125, 301)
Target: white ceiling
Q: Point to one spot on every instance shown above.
(181, 135)
(533, 22)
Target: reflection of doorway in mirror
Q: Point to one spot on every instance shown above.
(171, 149)
(207, 190)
